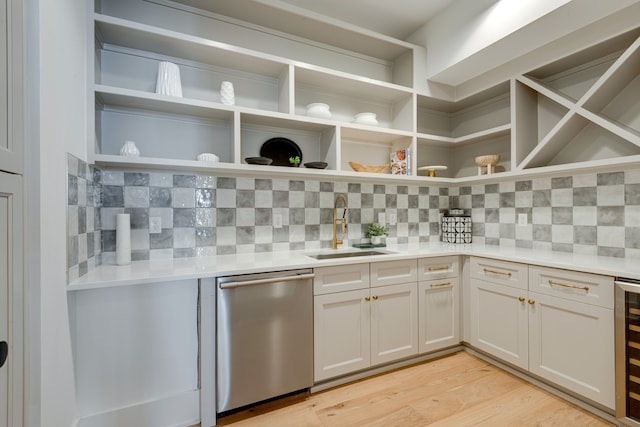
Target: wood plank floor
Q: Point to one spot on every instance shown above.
(457, 390)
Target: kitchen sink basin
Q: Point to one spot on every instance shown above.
(347, 254)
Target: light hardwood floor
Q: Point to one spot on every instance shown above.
(457, 390)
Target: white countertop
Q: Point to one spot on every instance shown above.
(141, 272)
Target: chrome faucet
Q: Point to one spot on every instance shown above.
(342, 221)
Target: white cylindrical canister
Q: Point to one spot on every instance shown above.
(123, 239)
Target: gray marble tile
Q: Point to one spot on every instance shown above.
(112, 196)
(139, 217)
(632, 237)
(508, 200)
(160, 197)
(296, 185)
(585, 235)
(542, 232)
(632, 194)
(611, 215)
(136, 179)
(184, 181)
(225, 217)
(562, 182)
(524, 186)
(245, 235)
(585, 196)
(72, 190)
(162, 240)
(541, 198)
(562, 215)
(611, 178)
(184, 217)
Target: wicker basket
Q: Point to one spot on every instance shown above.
(364, 168)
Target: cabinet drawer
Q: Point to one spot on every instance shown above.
(340, 278)
(437, 268)
(573, 285)
(393, 272)
(502, 272)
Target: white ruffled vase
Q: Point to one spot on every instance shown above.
(129, 149)
(168, 82)
(227, 96)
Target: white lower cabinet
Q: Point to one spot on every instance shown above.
(357, 329)
(499, 321)
(354, 330)
(572, 345)
(439, 318)
(558, 335)
(341, 333)
(394, 322)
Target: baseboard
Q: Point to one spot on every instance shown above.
(179, 410)
(382, 369)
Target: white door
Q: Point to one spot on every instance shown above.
(394, 322)
(11, 84)
(10, 300)
(572, 344)
(438, 308)
(499, 321)
(341, 333)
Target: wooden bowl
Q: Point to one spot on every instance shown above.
(364, 168)
(488, 160)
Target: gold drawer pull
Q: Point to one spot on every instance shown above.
(531, 302)
(367, 299)
(486, 270)
(438, 268)
(564, 285)
(521, 299)
(440, 285)
(375, 297)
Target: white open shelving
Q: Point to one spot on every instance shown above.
(581, 110)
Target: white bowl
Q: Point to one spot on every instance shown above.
(208, 157)
(319, 110)
(366, 119)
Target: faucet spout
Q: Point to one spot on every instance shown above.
(339, 220)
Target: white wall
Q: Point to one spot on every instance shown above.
(470, 37)
(62, 128)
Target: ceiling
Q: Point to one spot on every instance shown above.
(397, 18)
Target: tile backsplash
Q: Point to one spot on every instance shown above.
(84, 239)
(200, 215)
(594, 213)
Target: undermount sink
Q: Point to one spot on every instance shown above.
(347, 254)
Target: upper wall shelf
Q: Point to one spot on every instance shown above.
(581, 110)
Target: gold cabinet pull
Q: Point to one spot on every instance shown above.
(521, 299)
(367, 299)
(438, 268)
(565, 285)
(440, 285)
(486, 270)
(531, 302)
(375, 297)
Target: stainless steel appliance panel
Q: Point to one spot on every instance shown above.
(264, 336)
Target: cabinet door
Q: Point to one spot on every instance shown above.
(499, 321)
(394, 322)
(341, 333)
(438, 310)
(11, 86)
(572, 345)
(11, 302)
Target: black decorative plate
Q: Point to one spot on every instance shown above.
(280, 149)
(316, 165)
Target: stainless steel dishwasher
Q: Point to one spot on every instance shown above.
(264, 336)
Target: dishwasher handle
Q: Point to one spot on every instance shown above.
(230, 285)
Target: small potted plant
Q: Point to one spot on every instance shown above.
(376, 232)
(294, 161)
